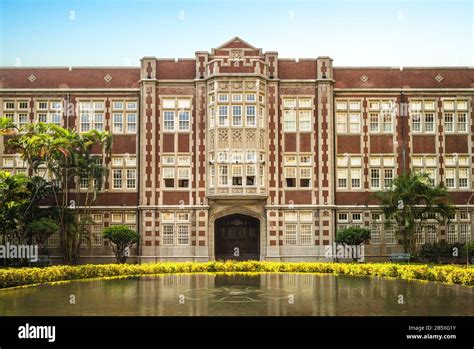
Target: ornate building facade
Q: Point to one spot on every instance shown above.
(237, 153)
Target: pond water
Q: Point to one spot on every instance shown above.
(240, 294)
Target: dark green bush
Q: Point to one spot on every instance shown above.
(121, 238)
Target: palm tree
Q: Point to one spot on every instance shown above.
(66, 155)
(409, 201)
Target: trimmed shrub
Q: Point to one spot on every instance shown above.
(11, 277)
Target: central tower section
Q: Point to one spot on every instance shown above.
(237, 136)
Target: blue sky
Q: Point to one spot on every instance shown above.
(120, 32)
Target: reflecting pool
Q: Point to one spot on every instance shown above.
(270, 294)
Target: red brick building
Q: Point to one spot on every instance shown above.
(237, 153)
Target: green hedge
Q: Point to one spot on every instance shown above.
(11, 277)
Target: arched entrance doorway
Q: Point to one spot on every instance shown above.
(237, 236)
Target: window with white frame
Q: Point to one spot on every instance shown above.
(93, 223)
(427, 164)
(423, 116)
(14, 164)
(457, 172)
(376, 227)
(349, 172)
(289, 120)
(168, 234)
(236, 115)
(427, 231)
(464, 232)
(212, 117)
(251, 116)
(297, 113)
(381, 116)
(124, 116)
(17, 111)
(124, 172)
(455, 114)
(48, 111)
(458, 228)
(91, 115)
(176, 114)
(176, 171)
(183, 234)
(298, 227)
(131, 122)
(451, 233)
(349, 219)
(382, 171)
(223, 115)
(348, 116)
(236, 109)
(117, 119)
(297, 170)
(176, 228)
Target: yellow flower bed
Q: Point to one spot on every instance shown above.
(11, 277)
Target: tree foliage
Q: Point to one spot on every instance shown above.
(409, 202)
(67, 156)
(122, 238)
(353, 236)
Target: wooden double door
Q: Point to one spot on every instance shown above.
(237, 237)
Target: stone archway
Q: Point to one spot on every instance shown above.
(237, 236)
(237, 210)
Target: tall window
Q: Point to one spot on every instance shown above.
(223, 115)
(91, 115)
(94, 226)
(118, 122)
(426, 164)
(348, 114)
(381, 231)
(349, 172)
(455, 114)
(382, 171)
(422, 114)
(251, 116)
(223, 175)
(176, 171)
(237, 115)
(236, 108)
(176, 228)
(381, 115)
(297, 171)
(168, 120)
(124, 172)
(457, 171)
(184, 120)
(298, 228)
(290, 120)
(124, 116)
(297, 114)
(176, 114)
(131, 122)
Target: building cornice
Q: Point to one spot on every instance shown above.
(399, 90)
(33, 90)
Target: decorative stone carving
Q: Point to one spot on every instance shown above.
(108, 78)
